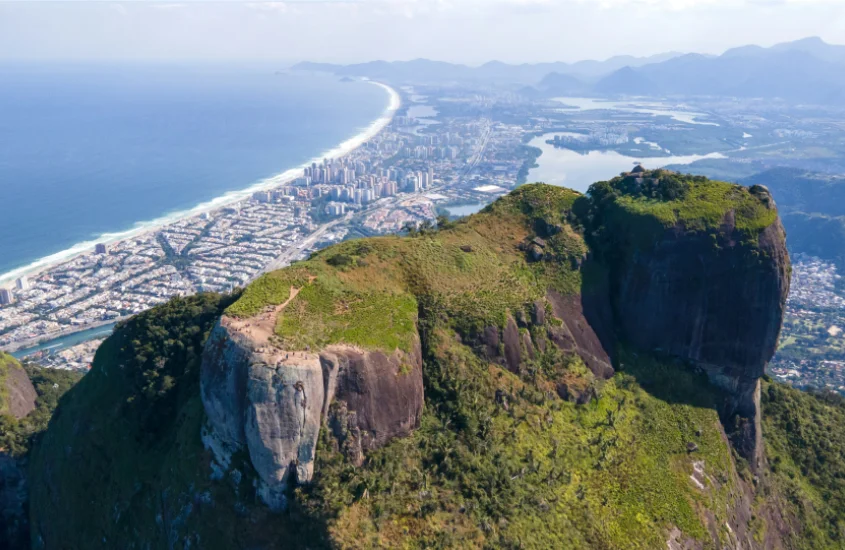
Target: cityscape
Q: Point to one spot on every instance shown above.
(449, 156)
(405, 175)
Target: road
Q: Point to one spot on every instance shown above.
(288, 255)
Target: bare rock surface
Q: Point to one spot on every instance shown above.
(719, 307)
(20, 394)
(273, 402)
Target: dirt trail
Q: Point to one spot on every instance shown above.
(260, 328)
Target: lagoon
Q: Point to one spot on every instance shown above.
(578, 171)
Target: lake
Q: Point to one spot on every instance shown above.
(578, 171)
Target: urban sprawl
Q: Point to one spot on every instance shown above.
(399, 177)
(452, 150)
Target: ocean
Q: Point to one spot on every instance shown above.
(89, 152)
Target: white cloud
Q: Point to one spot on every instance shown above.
(471, 31)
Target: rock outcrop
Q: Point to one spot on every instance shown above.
(712, 295)
(17, 396)
(561, 341)
(273, 402)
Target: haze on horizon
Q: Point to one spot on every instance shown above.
(466, 31)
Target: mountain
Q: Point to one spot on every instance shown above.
(422, 70)
(803, 190)
(558, 370)
(27, 399)
(807, 71)
(17, 396)
(559, 83)
(634, 82)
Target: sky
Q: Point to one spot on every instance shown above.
(465, 31)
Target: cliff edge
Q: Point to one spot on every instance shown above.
(559, 370)
(699, 270)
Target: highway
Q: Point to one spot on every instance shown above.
(287, 256)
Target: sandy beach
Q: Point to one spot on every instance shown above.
(46, 263)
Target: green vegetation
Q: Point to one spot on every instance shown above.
(639, 208)
(7, 362)
(537, 473)
(500, 460)
(17, 435)
(805, 445)
(161, 352)
(366, 293)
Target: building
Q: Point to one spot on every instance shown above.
(335, 209)
(6, 296)
(262, 196)
(101, 248)
(22, 283)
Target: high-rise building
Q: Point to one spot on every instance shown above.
(22, 283)
(101, 248)
(262, 196)
(6, 296)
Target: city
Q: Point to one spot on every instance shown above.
(405, 175)
(449, 156)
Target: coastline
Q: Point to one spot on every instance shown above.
(47, 262)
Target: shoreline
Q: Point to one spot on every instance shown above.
(45, 263)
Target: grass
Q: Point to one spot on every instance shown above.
(500, 461)
(805, 445)
(366, 292)
(643, 212)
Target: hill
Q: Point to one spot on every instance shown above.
(28, 396)
(558, 370)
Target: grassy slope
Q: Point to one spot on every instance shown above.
(366, 292)
(536, 473)
(805, 444)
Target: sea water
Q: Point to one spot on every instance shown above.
(90, 151)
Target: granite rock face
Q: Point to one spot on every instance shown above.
(273, 402)
(579, 325)
(714, 299)
(371, 398)
(20, 394)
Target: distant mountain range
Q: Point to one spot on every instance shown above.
(804, 71)
(419, 70)
(808, 70)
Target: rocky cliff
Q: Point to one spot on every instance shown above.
(273, 402)
(17, 395)
(558, 370)
(17, 399)
(705, 279)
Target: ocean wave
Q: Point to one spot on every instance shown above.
(42, 264)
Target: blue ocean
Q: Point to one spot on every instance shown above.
(90, 150)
